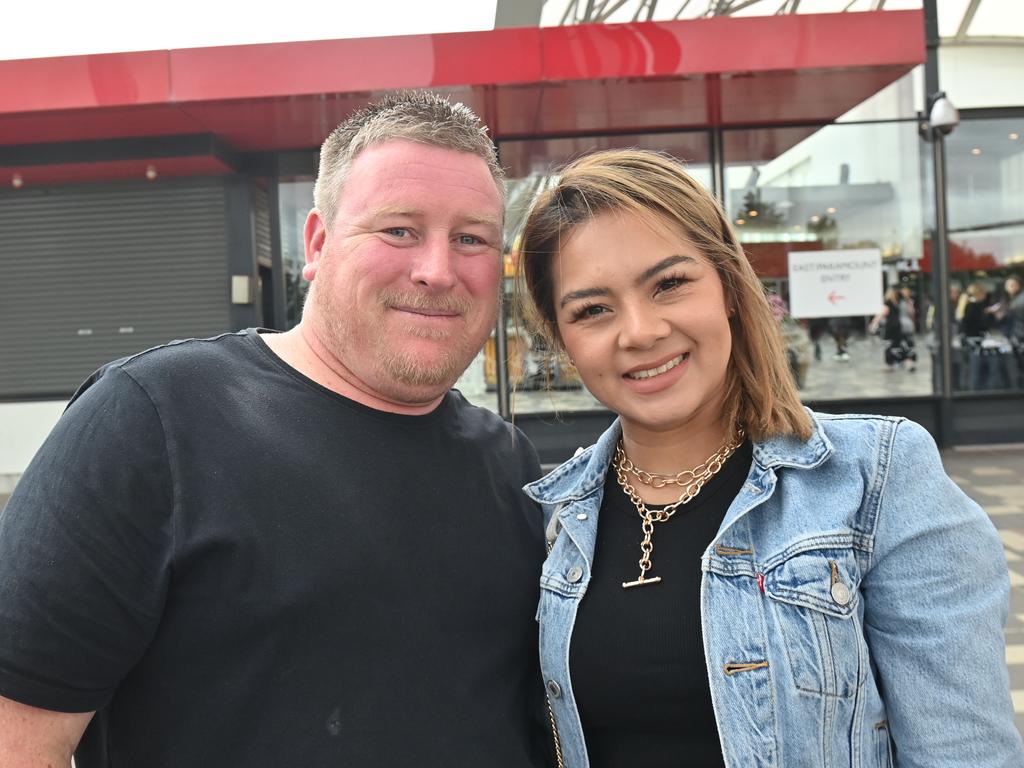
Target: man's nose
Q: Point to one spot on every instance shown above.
(433, 264)
(641, 326)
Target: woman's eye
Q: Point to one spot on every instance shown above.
(591, 310)
(670, 284)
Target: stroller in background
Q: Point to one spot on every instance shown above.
(898, 351)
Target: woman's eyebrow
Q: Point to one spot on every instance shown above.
(583, 293)
(665, 263)
(647, 274)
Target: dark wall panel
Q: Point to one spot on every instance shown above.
(94, 272)
(992, 419)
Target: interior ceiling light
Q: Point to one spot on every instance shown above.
(1014, 136)
(151, 172)
(831, 210)
(16, 181)
(976, 151)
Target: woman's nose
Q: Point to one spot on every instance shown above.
(642, 326)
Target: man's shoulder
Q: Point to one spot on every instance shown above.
(166, 362)
(495, 435)
(211, 349)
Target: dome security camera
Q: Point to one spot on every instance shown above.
(943, 117)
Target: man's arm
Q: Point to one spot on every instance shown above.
(38, 738)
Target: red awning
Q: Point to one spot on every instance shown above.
(523, 82)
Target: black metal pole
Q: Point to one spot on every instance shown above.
(501, 355)
(940, 234)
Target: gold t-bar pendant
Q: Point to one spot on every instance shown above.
(640, 582)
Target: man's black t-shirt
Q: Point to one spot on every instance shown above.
(236, 566)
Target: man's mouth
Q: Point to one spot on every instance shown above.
(663, 368)
(426, 306)
(428, 312)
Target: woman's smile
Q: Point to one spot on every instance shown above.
(656, 370)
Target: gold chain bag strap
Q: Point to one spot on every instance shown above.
(548, 544)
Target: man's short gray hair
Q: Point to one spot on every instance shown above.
(419, 116)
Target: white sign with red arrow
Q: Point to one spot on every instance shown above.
(835, 283)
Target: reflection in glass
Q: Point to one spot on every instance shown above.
(837, 187)
(541, 379)
(295, 200)
(986, 237)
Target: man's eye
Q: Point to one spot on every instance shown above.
(470, 240)
(396, 231)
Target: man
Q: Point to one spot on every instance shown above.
(296, 549)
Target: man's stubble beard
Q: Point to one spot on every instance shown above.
(403, 370)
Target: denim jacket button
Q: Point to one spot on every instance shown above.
(554, 689)
(575, 574)
(581, 516)
(841, 593)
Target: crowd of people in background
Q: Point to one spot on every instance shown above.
(984, 320)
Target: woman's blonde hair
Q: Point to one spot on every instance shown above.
(760, 394)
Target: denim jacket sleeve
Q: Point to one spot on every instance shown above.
(936, 600)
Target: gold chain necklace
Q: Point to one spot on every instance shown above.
(691, 480)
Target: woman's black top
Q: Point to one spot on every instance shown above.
(637, 656)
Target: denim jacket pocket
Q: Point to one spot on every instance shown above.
(814, 596)
(565, 572)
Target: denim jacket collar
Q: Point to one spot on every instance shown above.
(585, 473)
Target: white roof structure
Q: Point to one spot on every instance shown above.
(960, 21)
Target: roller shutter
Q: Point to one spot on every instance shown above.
(95, 272)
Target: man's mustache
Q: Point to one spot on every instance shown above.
(445, 304)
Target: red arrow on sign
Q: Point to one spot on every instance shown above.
(834, 297)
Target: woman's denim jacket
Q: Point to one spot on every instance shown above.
(852, 604)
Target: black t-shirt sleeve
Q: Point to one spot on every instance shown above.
(529, 461)
(85, 551)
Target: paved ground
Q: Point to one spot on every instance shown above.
(994, 477)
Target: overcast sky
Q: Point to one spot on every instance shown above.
(30, 29)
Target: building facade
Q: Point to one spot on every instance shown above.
(158, 195)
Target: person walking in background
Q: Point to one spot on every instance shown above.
(733, 580)
(975, 319)
(897, 328)
(839, 327)
(1009, 313)
(296, 549)
(1011, 319)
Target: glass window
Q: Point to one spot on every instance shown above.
(295, 199)
(985, 171)
(794, 193)
(541, 380)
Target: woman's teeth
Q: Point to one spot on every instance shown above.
(660, 369)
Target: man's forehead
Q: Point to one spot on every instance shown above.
(482, 218)
(394, 154)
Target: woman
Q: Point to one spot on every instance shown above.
(1010, 312)
(976, 320)
(897, 330)
(733, 580)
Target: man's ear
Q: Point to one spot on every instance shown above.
(314, 235)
